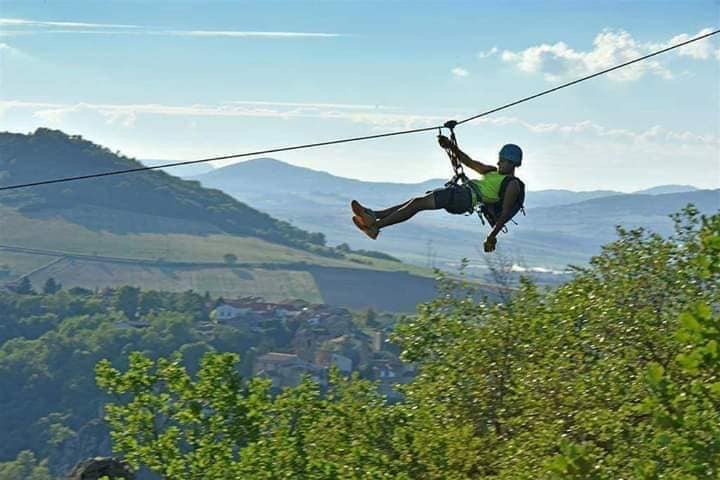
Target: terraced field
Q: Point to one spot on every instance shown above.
(274, 285)
(41, 247)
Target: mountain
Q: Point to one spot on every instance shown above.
(246, 179)
(550, 198)
(182, 171)
(154, 230)
(596, 219)
(562, 226)
(662, 189)
(267, 175)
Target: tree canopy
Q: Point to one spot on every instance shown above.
(613, 375)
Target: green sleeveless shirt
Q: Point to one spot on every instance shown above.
(489, 187)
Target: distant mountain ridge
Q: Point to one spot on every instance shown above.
(269, 174)
(663, 189)
(562, 226)
(182, 171)
(247, 176)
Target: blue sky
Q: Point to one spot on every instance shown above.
(183, 80)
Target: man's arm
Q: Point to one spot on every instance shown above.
(479, 167)
(511, 197)
(464, 158)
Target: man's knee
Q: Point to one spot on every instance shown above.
(426, 202)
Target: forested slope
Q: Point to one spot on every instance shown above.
(614, 375)
(49, 154)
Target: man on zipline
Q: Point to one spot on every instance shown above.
(492, 191)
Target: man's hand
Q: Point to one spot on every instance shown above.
(445, 142)
(490, 243)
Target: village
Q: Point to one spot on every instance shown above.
(320, 337)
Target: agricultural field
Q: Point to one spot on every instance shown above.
(273, 285)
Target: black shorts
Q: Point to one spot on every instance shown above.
(455, 199)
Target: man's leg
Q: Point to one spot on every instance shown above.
(401, 213)
(384, 213)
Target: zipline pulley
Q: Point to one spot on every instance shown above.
(459, 176)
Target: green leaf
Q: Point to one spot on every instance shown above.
(655, 373)
(689, 322)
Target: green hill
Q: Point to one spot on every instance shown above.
(48, 154)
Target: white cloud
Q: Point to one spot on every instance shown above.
(488, 53)
(343, 106)
(233, 33)
(460, 72)
(700, 50)
(125, 114)
(6, 49)
(19, 26)
(20, 22)
(559, 61)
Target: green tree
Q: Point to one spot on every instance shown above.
(150, 301)
(216, 426)
(127, 300)
(24, 286)
(25, 467)
(613, 375)
(51, 286)
(684, 395)
(179, 428)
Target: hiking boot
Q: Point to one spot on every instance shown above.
(371, 232)
(366, 216)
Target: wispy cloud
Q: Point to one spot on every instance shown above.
(21, 22)
(655, 133)
(233, 33)
(343, 106)
(19, 26)
(460, 72)
(488, 53)
(6, 49)
(559, 61)
(127, 114)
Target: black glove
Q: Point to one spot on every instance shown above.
(490, 244)
(445, 142)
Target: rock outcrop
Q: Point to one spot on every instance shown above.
(98, 467)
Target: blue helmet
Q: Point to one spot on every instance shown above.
(512, 153)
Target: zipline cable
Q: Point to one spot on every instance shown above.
(356, 139)
(588, 77)
(191, 162)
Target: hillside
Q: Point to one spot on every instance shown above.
(562, 226)
(153, 230)
(48, 154)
